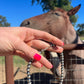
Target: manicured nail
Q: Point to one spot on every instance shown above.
(52, 67)
(63, 44)
(41, 65)
(37, 57)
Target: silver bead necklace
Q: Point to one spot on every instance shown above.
(62, 66)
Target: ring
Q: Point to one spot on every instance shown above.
(37, 57)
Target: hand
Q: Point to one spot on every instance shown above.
(25, 42)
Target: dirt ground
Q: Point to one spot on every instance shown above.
(21, 74)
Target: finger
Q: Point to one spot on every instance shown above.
(35, 63)
(38, 44)
(22, 55)
(32, 53)
(46, 36)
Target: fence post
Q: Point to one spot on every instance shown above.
(9, 69)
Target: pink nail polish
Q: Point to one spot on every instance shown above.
(52, 67)
(37, 57)
(41, 65)
(63, 44)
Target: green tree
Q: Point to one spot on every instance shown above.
(48, 5)
(3, 22)
(80, 29)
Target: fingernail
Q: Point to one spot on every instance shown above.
(63, 44)
(41, 65)
(37, 57)
(52, 67)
